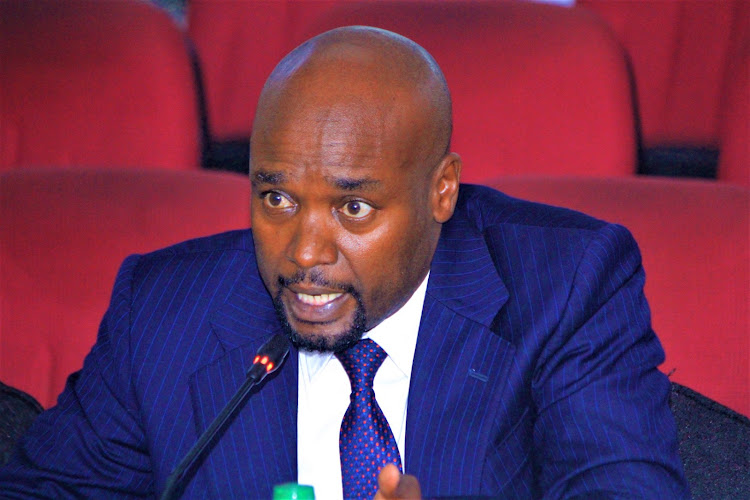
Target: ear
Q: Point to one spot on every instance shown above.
(445, 181)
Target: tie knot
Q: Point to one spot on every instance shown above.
(361, 362)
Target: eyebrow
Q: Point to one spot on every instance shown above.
(265, 177)
(352, 184)
(343, 183)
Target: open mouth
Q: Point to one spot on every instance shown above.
(317, 306)
(319, 299)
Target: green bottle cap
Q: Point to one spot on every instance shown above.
(293, 491)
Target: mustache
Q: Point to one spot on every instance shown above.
(316, 277)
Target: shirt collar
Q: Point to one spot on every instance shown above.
(397, 335)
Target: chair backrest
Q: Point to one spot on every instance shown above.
(536, 88)
(734, 155)
(695, 240)
(238, 44)
(679, 50)
(63, 234)
(97, 84)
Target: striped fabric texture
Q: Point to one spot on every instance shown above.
(534, 372)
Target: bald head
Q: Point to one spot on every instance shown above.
(362, 78)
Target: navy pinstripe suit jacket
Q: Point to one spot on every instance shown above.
(534, 372)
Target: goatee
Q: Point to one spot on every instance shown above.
(332, 342)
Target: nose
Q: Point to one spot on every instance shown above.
(313, 243)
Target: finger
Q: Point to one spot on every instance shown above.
(408, 488)
(388, 480)
(393, 485)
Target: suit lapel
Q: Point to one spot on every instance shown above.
(259, 447)
(459, 365)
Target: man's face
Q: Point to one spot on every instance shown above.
(342, 219)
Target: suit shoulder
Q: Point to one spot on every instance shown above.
(223, 250)
(238, 240)
(488, 207)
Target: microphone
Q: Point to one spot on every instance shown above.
(268, 359)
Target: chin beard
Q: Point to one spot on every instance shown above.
(334, 342)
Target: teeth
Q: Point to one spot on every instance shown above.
(317, 300)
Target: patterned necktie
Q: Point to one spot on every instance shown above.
(366, 443)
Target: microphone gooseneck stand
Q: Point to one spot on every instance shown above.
(269, 358)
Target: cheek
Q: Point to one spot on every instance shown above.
(413, 251)
(268, 248)
(388, 264)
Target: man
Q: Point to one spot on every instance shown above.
(514, 355)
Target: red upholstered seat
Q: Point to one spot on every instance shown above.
(63, 234)
(679, 50)
(536, 88)
(695, 241)
(95, 83)
(734, 156)
(238, 44)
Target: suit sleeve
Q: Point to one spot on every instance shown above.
(604, 428)
(90, 445)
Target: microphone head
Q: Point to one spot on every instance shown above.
(272, 353)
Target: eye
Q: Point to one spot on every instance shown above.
(356, 209)
(276, 200)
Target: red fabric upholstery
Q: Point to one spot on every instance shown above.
(734, 156)
(89, 83)
(63, 234)
(679, 49)
(536, 88)
(238, 44)
(695, 241)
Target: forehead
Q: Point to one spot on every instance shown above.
(334, 138)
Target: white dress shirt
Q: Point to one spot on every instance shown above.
(324, 391)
